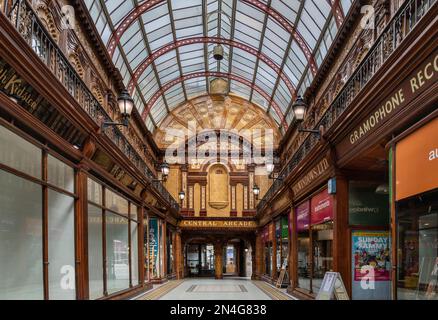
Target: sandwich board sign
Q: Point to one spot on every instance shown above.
(332, 284)
(283, 273)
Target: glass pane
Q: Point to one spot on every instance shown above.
(116, 203)
(59, 174)
(95, 255)
(20, 239)
(417, 272)
(19, 154)
(61, 247)
(117, 254)
(134, 253)
(94, 190)
(322, 236)
(304, 260)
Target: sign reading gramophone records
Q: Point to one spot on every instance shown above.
(423, 77)
(229, 224)
(311, 176)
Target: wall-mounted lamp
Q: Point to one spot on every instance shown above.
(300, 108)
(126, 104)
(165, 169)
(256, 191)
(182, 195)
(270, 168)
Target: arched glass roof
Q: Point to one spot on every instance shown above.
(163, 49)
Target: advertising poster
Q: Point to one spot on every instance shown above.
(153, 247)
(371, 264)
(303, 216)
(322, 208)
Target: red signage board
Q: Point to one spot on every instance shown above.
(303, 216)
(321, 208)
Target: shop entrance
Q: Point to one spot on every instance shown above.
(200, 260)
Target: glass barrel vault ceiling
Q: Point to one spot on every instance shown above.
(163, 48)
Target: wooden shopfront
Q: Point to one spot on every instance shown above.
(366, 150)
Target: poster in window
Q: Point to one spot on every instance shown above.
(371, 264)
(153, 247)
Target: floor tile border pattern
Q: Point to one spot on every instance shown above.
(272, 292)
(157, 293)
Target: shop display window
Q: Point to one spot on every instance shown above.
(119, 217)
(25, 192)
(322, 247)
(304, 263)
(417, 247)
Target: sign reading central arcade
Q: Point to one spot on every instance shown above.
(218, 224)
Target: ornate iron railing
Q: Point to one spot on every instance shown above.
(401, 24)
(34, 33)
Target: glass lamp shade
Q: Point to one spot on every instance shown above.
(165, 169)
(256, 190)
(126, 104)
(270, 167)
(299, 108)
(182, 195)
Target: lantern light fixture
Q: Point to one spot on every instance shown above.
(126, 105)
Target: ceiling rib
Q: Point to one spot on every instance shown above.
(230, 54)
(172, 24)
(205, 33)
(122, 53)
(286, 54)
(139, 10)
(154, 67)
(169, 47)
(256, 67)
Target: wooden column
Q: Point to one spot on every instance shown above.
(218, 256)
(293, 251)
(274, 252)
(141, 246)
(253, 260)
(341, 233)
(164, 252)
(179, 263)
(258, 255)
(81, 235)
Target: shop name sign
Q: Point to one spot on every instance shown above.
(418, 82)
(311, 176)
(218, 224)
(13, 85)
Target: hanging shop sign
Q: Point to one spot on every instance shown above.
(316, 172)
(284, 228)
(303, 216)
(371, 265)
(321, 208)
(153, 247)
(421, 79)
(229, 224)
(366, 207)
(416, 159)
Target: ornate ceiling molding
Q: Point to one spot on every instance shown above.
(204, 74)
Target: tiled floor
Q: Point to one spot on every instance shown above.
(211, 289)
